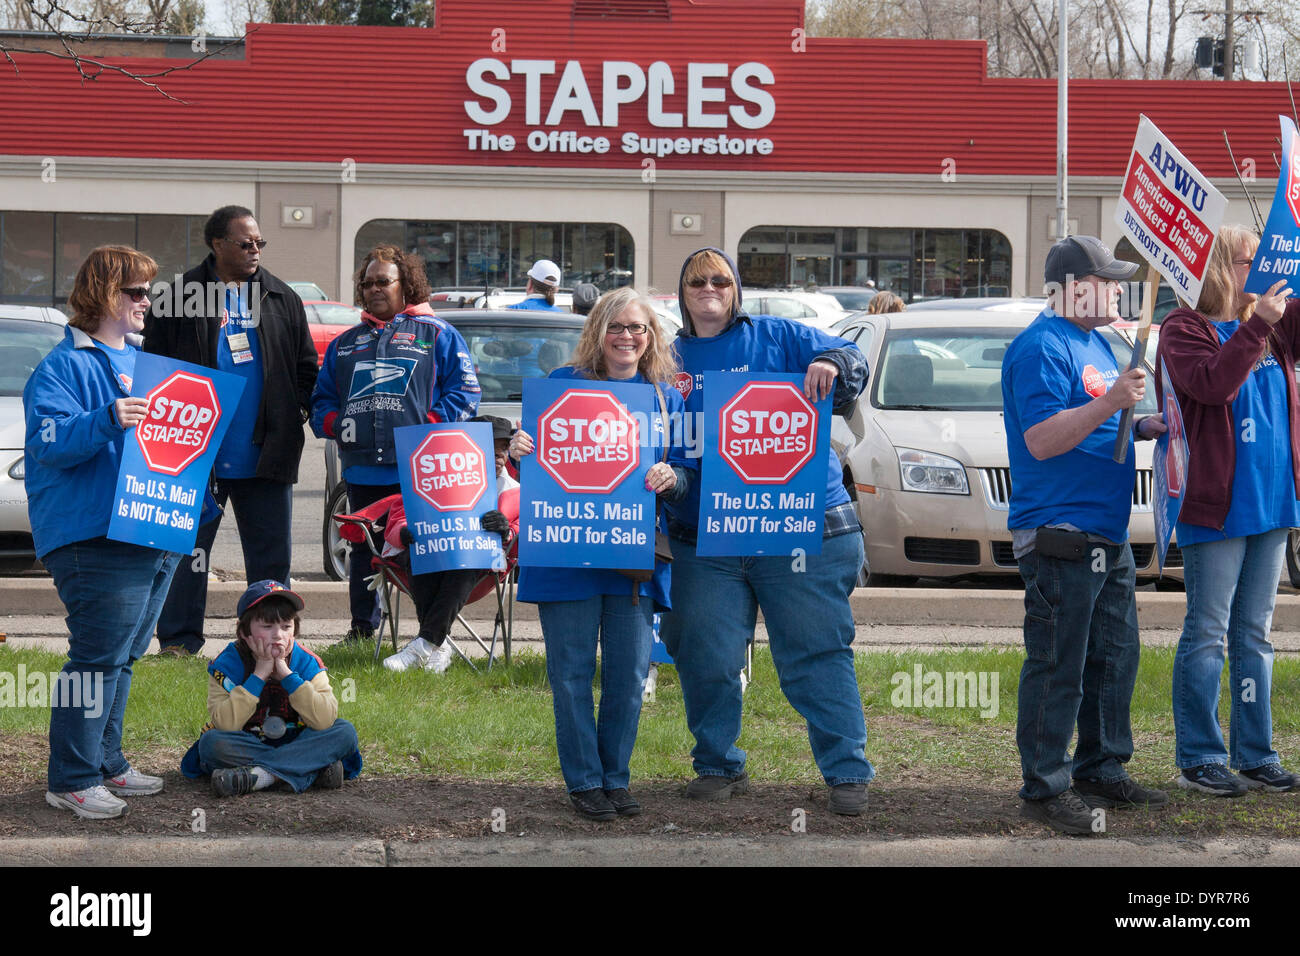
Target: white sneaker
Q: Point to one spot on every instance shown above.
(651, 683)
(93, 803)
(133, 783)
(439, 658)
(744, 681)
(415, 654)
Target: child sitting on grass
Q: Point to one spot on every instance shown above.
(273, 713)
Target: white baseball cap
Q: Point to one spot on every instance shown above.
(544, 270)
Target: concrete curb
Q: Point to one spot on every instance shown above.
(647, 850)
(899, 606)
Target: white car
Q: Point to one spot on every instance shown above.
(27, 334)
(811, 308)
(925, 453)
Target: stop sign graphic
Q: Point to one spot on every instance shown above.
(587, 441)
(767, 432)
(182, 416)
(449, 471)
(1293, 180)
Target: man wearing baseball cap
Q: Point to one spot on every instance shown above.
(273, 715)
(1063, 397)
(543, 281)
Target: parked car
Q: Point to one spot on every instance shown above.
(507, 346)
(309, 291)
(327, 321)
(500, 298)
(27, 334)
(925, 454)
(852, 298)
(811, 308)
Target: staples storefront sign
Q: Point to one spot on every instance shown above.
(722, 104)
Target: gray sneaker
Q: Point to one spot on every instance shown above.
(133, 783)
(93, 803)
(1213, 778)
(1065, 813)
(1271, 776)
(717, 788)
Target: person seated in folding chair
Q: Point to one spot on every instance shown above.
(440, 596)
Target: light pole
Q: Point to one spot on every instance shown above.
(1062, 122)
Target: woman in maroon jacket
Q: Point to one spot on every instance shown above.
(1232, 365)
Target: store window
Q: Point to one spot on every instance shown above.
(913, 263)
(500, 254)
(40, 252)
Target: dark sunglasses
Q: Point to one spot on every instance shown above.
(375, 283)
(250, 245)
(138, 293)
(718, 282)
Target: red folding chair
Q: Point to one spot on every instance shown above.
(392, 579)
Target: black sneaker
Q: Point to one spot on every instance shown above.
(331, 778)
(624, 803)
(1213, 778)
(232, 782)
(1271, 776)
(357, 635)
(717, 788)
(1065, 813)
(593, 804)
(1119, 795)
(849, 799)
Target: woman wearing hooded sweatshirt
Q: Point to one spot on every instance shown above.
(1231, 362)
(401, 365)
(806, 611)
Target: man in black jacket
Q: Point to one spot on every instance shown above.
(229, 313)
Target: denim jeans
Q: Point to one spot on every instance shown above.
(296, 761)
(113, 593)
(596, 752)
(1081, 660)
(1231, 588)
(264, 515)
(810, 631)
(363, 602)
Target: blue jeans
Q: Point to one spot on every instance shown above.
(594, 753)
(363, 602)
(297, 761)
(113, 592)
(810, 631)
(264, 515)
(1231, 588)
(1081, 660)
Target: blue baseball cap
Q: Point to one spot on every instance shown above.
(262, 590)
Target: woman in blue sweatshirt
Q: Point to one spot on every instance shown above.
(581, 607)
(78, 411)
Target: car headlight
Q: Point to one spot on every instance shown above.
(937, 474)
(17, 469)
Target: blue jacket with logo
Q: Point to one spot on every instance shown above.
(412, 370)
(73, 442)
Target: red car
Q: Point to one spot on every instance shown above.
(328, 320)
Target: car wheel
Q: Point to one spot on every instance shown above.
(1293, 557)
(337, 550)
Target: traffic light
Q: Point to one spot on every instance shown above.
(1209, 54)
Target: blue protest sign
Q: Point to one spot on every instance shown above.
(658, 649)
(763, 477)
(449, 479)
(1278, 255)
(167, 458)
(1169, 465)
(583, 499)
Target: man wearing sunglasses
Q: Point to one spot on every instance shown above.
(230, 313)
(715, 599)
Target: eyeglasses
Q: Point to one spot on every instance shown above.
(248, 246)
(138, 293)
(375, 283)
(718, 282)
(617, 328)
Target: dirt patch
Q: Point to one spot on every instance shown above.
(910, 804)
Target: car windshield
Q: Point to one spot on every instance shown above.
(505, 355)
(22, 346)
(852, 301)
(332, 314)
(959, 369)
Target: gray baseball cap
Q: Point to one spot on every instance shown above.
(1077, 256)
